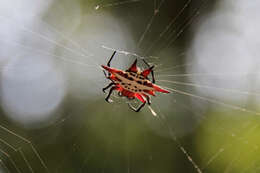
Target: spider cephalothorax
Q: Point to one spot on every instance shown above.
(132, 83)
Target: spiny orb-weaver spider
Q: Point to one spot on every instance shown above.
(131, 83)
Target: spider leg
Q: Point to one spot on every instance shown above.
(105, 73)
(142, 99)
(152, 73)
(136, 109)
(109, 94)
(153, 79)
(107, 76)
(148, 98)
(108, 64)
(109, 85)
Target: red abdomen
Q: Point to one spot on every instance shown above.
(127, 93)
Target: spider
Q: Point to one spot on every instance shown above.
(132, 83)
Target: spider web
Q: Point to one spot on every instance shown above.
(199, 127)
